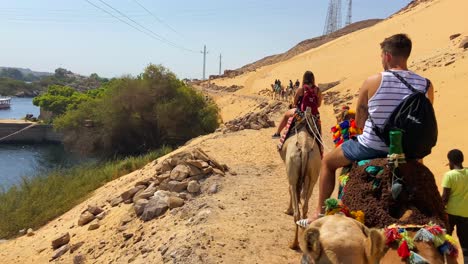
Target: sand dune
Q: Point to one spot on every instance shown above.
(244, 223)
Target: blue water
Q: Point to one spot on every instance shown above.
(19, 108)
(25, 161)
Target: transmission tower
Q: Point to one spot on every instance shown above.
(350, 11)
(333, 20)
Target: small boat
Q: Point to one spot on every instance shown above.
(5, 102)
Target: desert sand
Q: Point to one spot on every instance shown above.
(244, 221)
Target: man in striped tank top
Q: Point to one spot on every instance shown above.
(378, 97)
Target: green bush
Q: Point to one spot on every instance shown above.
(134, 115)
(39, 200)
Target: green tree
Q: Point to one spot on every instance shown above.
(58, 99)
(134, 115)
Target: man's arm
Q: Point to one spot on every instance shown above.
(430, 93)
(368, 89)
(446, 195)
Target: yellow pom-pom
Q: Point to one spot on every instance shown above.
(450, 239)
(358, 215)
(351, 112)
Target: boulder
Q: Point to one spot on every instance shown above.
(163, 176)
(79, 259)
(174, 202)
(176, 186)
(163, 166)
(116, 201)
(213, 188)
(180, 172)
(194, 170)
(94, 225)
(76, 246)
(85, 218)
(101, 216)
(454, 36)
(146, 193)
(60, 251)
(127, 195)
(22, 232)
(193, 187)
(155, 207)
(95, 210)
(61, 240)
(198, 163)
(139, 206)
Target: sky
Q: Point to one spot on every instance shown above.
(77, 35)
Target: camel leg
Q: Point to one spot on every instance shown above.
(292, 189)
(290, 210)
(311, 179)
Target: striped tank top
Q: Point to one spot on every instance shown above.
(387, 97)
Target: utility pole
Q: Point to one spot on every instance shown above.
(350, 12)
(220, 63)
(204, 61)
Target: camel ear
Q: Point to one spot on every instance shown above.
(375, 245)
(310, 242)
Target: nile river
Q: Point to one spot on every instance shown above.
(18, 161)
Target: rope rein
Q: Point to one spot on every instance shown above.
(19, 131)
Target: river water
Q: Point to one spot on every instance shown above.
(18, 161)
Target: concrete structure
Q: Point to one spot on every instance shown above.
(38, 133)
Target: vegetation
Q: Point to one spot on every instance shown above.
(39, 200)
(15, 82)
(133, 115)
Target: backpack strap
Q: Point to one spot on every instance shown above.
(405, 82)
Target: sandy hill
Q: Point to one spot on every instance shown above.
(242, 221)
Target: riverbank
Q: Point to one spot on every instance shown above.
(25, 132)
(40, 199)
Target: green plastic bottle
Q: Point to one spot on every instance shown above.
(395, 142)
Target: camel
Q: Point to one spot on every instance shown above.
(301, 156)
(340, 239)
(337, 239)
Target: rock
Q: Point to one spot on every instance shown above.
(175, 202)
(163, 176)
(85, 218)
(155, 207)
(193, 187)
(218, 171)
(200, 164)
(145, 182)
(146, 193)
(61, 240)
(139, 206)
(76, 246)
(60, 251)
(130, 193)
(255, 126)
(78, 259)
(22, 232)
(213, 188)
(94, 225)
(101, 215)
(163, 166)
(464, 44)
(30, 232)
(95, 210)
(116, 201)
(194, 170)
(454, 36)
(207, 170)
(176, 186)
(180, 172)
(127, 236)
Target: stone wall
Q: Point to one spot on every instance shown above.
(39, 133)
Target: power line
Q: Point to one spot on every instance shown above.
(145, 30)
(157, 19)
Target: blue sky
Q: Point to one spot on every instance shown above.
(73, 34)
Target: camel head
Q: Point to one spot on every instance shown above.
(339, 239)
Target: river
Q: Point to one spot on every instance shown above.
(18, 161)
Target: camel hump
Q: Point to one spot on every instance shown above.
(312, 242)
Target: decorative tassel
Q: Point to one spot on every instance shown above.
(409, 241)
(438, 240)
(330, 204)
(435, 230)
(423, 235)
(403, 250)
(415, 258)
(358, 215)
(391, 235)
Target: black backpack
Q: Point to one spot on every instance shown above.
(415, 117)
